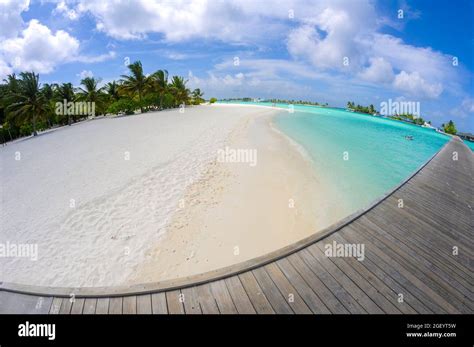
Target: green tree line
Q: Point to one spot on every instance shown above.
(449, 128)
(27, 106)
(362, 109)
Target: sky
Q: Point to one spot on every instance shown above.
(330, 51)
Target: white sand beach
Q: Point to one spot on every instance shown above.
(143, 198)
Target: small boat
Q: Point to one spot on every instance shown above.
(409, 137)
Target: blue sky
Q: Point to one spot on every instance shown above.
(326, 51)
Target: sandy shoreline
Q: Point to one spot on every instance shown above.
(237, 212)
(169, 210)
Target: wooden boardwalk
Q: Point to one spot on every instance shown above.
(409, 265)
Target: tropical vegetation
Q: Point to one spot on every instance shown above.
(27, 107)
(449, 128)
(410, 118)
(362, 109)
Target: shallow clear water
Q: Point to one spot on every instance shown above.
(469, 144)
(379, 157)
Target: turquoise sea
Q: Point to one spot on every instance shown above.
(360, 157)
(470, 145)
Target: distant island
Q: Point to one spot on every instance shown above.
(448, 128)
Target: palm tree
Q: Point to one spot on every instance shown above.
(47, 91)
(137, 83)
(179, 90)
(112, 89)
(48, 94)
(91, 92)
(11, 89)
(449, 128)
(63, 92)
(197, 96)
(13, 83)
(159, 84)
(31, 104)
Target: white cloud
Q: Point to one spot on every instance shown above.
(414, 84)
(333, 33)
(94, 58)
(38, 48)
(270, 68)
(338, 32)
(242, 84)
(179, 20)
(465, 110)
(379, 71)
(62, 8)
(10, 17)
(4, 70)
(85, 73)
(468, 105)
(322, 33)
(431, 65)
(175, 55)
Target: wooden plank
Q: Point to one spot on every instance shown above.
(255, 293)
(273, 294)
(90, 305)
(427, 261)
(239, 296)
(296, 302)
(158, 303)
(405, 287)
(116, 305)
(423, 275)
(129, 305)
(14, 303)
(55, 306)
(102, 306)
(191, 301)
(425, 226)
(344, 297)
(77, 306)
(144, 304)
(326, 296)
(432, 218)
(384, 283)
(66, 306)
(174, 300)
(223, 298)
(410, 282)
(307, 294)
(425, 242)
(363, 299)
(366, 282)
(43, 305)
(206, 299)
